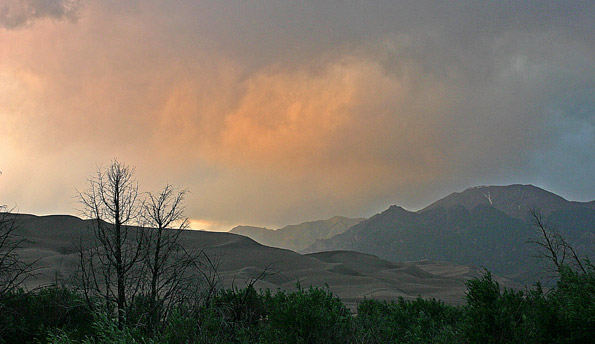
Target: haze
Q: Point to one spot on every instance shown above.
(278, 112)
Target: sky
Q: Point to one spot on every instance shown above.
(279, 112)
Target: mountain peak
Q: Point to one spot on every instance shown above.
(298, 237)
(508, 188)
(515, 200)
(241, 229)
(396, 208)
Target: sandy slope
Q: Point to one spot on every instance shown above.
(52, 241)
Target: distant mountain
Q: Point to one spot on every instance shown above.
(298, 237)
(486, 226)
(51, 242)
(514, 200)
(261, 235)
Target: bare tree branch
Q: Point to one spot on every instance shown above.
(552, 245)
(13, 271)
(111, 268)
(172, 271)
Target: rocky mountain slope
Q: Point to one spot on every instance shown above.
(298, 237)
(486, 226)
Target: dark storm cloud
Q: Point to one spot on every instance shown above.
(18, 13)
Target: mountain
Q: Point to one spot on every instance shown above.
(487, 226)
(51, 242)
(298, 237)
(514, 200)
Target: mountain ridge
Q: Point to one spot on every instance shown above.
(515, 199)
(486, 225)
(300, 236)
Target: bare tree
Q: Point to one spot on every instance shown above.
(111, 268)
(552, 245)
(166, 261)
(174, 274)
(13, 271)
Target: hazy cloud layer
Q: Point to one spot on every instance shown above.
(19, 13)
(278, 112)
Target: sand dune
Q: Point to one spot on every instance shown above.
(51, 241)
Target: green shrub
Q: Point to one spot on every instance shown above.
(233, 316)
(314, 315)
(574, 299)
(106, 331)
(418, 321)
(493, 316)
(27, 317)
(181, 328)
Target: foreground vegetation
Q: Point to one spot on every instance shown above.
(564, 314)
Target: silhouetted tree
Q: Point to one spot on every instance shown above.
(112, 267)
(552, 245)
(170, 268)
(174, 275)
(13, 271)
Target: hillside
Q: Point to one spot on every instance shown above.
(298, 237)
(486, 226)
(52, 242)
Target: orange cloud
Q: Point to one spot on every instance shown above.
(338, 120)
(287, 119)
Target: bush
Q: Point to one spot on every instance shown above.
(233, 316)
(106, 331)
(312, 316)
(247, 316)
(574, 299)
(27, 317)
(418, 321)
(493, 316)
